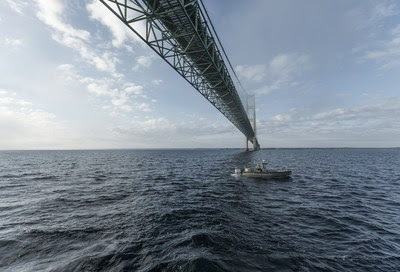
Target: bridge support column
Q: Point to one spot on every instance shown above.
(255, 144)
(246, 146)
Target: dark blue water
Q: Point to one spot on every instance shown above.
(180, 210)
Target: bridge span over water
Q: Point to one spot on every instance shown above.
(181, 33)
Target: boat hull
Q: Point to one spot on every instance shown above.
(268, 175)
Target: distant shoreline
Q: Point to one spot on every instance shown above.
(191, 148)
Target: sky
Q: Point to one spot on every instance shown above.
(325, 74)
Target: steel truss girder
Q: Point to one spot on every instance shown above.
(178, 32)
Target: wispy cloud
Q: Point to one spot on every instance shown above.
(382, 41)
(156, 82)
(169, 132)
(8, 99)
(52, 13)
(12, 42)
(17, 5)
(387, 52)
(24, 125)
(120, 32)
(281, 72)
(143, 62)
(117, 94)
(256, 72)
(371, 16)
(357, 123)
(381, 11)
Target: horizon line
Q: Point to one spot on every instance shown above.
(190, 148)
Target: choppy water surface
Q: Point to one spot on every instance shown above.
(180, 210)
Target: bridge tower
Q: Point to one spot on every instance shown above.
(251, 113)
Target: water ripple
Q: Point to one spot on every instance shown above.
(180, 210)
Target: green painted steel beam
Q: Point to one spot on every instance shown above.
(178, 31)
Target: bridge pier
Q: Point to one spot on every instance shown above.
(256, 146)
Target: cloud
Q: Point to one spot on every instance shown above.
(252, 72)
(381, 11)
(288, 65)
(281, 72)
(17, 5)
(26, 126)
(122, 97)
(156, 82)
(8, 99)
(371, 17)
(121, 33)
(12, 42)
(134, 89)
(143, 61)
(100, 89)
(388, 51)
(119, 95)
(356, 125)
(164, 132)
(52, 14)
(23, 125)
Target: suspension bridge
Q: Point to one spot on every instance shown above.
(182, 34)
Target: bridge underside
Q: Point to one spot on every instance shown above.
(178, 31)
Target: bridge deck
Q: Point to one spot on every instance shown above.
(179, 32)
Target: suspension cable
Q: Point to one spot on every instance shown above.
(220, 44)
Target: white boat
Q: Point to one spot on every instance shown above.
(261, 171)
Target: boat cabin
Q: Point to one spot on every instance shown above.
(260, 167)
